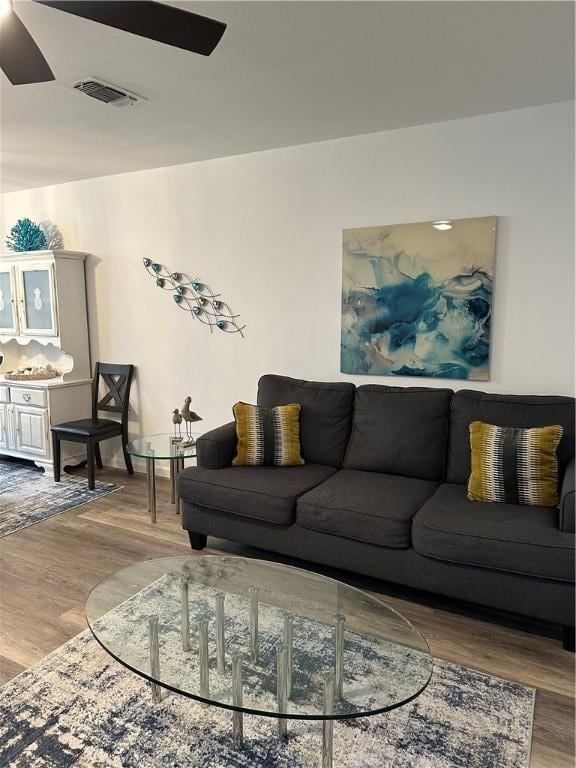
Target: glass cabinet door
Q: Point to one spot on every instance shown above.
(8, 316)
(38, 313)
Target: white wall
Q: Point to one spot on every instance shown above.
(265, 230)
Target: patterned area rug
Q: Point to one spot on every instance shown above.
(28, 496)
(80, 708)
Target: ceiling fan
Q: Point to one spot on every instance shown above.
(23, 62)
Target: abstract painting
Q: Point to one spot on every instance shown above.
(417, 299)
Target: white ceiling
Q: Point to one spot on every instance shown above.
(285, 73)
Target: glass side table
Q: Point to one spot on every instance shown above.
(162, 447)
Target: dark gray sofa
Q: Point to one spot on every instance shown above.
(383, 493)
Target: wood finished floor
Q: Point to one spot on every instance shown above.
(47, 571)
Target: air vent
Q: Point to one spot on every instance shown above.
(106, 93)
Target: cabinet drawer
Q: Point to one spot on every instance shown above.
(4, 395)
(28, 396)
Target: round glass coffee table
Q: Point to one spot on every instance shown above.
(288, 644)
(163, 447)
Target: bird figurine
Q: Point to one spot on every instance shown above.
(189, 417)
(177, 421)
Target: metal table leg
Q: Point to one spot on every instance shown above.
(157, 693)
(172, 480)
(185, 612)
(178, 467)
(288, 640)
(204, 661)
(151, 483)
(281, 689)
(220, 642)
(237, 716)
(339, 655)
(328, 725)
(253, 592)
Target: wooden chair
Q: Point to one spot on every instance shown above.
(117, 380)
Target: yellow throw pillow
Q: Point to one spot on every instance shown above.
(516, 466)
(267, 435)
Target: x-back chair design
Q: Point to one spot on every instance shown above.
(116, 381)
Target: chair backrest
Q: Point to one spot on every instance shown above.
(117, 380)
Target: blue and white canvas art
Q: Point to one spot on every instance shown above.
(417, 299)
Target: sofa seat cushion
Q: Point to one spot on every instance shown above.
(506, 537)
(263, 493)
(365, 506)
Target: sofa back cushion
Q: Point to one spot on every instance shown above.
(400, 430)
(325, 416)
(523, 411)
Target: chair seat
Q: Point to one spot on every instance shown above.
(89, 427)
(506, 537)
(365, 506)
(264, 493)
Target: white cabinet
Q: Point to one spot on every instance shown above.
(8, 303)
(43, 299)
(43, 320)
(5, 438)
(24, 430)
(26, 413)
(36, 299)
(30, 430)
(28, 299)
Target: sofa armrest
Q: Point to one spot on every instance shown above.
(216, 449)
(567, 500)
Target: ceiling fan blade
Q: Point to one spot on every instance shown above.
(156, 21)
(20, 57)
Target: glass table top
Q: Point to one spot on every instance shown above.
(163, 446)
(158, 617)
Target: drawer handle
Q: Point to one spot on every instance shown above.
(27, 396)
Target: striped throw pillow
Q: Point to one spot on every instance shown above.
(267, 435)
(516, 466)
